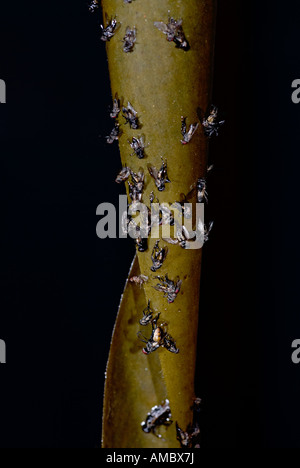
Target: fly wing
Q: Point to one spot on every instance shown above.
(142, 337)
(131, 109)
(161, 26)
(179, 23)
(192, 129)
(160, 288)
(210, 226)
(141, 174)
(116, 102)
(153, 171)
(142, 141)
(192, 193)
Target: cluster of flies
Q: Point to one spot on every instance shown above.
(211, 123)
(173, 31)
(131, 118)
(135, 183)
(111, 27)
(161, 215)
(160, 415)
(159, 337)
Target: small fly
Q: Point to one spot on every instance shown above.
(129, 226)
(212, 124)
(142, 244)
(123, 175)
(174, 32)
(138, 146)
(116, 107)
(159, 338)
(187, 135)
(191, 437)
(160, 177)
(167, 217)
(130, 115)
(158, 416)
(147, 316)
(138, 180)
(114, 134)
(93, 6)
(201, 187)
(129, 39)
(152, 198)
(168, 287)
(109, 31)
(158, 256)
(136, 186)
(139, 280)
(206, 231)
(182, 237)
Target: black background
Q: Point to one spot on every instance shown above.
(60, 285)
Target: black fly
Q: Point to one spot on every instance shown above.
(158, 256)
(184, 207)
(136, 186)
(201, 191)
(187, 135)
(167, 216)
(147, 316)
(138, 146)
(129, 226)
(207, 230)
(191, 437)
(116, 107)
(142, 244)
(212, 124)
(140, 280)
(114, 134)
(174, 32)
(182, 238)
(152, 198)
(159, 338)
(109, 31)
(160, 214)
(160, 177)
(158, 416)
(93, 6)
(168, 287)
(123, 175)
(130, 115)
(138, 180)
(201, 188)
(129, 39)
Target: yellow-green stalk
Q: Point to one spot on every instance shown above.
(162, 83)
